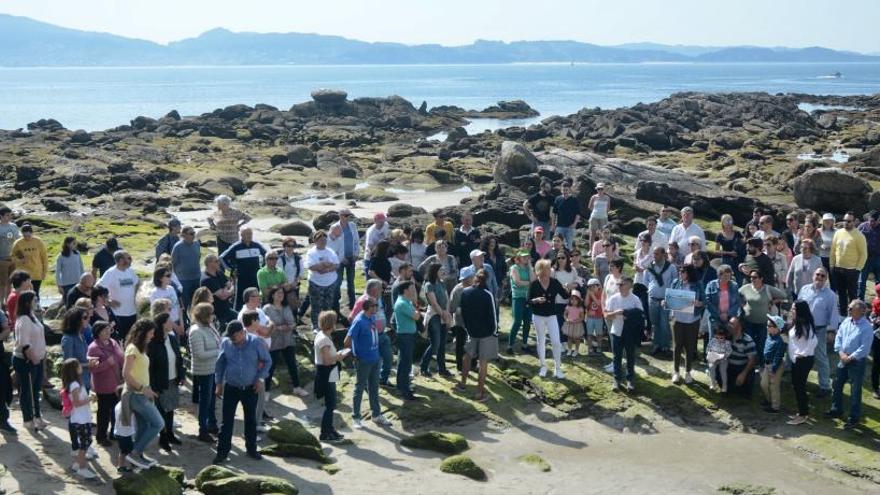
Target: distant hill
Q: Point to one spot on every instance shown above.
(26, 42)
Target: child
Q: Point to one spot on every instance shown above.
(80, 416)
(573, 328)
(674, 255)
(718, 351)
(771, 374)
(124, 434)
(595, 317)
(326, 359)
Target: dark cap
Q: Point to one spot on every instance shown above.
(26, 227)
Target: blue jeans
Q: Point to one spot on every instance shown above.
(567, 234)
(348, 268)
(367, 378)
(625, 344)
(231, 397)
(660, 325)
(758, 333)
(207, 402)
(329, 407)
(387, 357)
(149, 421)
(437, 345)
(406, 344)
(30, 382)
(854, 372)
(522, 317)
(823, 367)
(872, 266)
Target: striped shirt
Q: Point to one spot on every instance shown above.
(226, 225)
(743, 347)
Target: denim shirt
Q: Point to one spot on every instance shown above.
(854, 338)
(823, 305)
(713, 294)
(239, 365)
(74, 346)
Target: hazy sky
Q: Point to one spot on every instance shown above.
(840, 24)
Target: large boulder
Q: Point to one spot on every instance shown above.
(404, 210)
(301, 155)
(218, 480)
(158, 480)
(831, 189)
(329, 96)
(445, 443)
(515, 161)
(296, 227)
(869, 159)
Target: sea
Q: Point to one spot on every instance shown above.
(97, 98)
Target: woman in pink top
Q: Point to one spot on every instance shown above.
(542, 247)
(722, 298)
(106, 376)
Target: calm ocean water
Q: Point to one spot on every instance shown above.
(99, 98)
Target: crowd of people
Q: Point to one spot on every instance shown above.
(762, 302)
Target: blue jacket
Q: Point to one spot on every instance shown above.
(238, 365)
(854, 338)
(364, 338)
(74, 346)
(733, 298)
(774, 351)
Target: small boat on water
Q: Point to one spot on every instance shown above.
(835, 75)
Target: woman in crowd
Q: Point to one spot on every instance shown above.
(827, 233)
(163, 289)
(802, 343)
(204, 345)
(436, 321)
(27, 360)
(612, 280)
(602, 261)
(566, 277)
(74, 346)
(136, 374)
(106, 376)
(758, 300)
(686, 324)
(327, 374)
(68, 266)
(521, 278)
(380, 265)
(85, 304)
(101, 311)
(282, 326)
(542, 299)
(722, 297)
(495, 257)
(643, 256)
(226, 221)
(540, 245)
(449, 262)
(166, 375)
(802, 268)
(729, 244)
(598, 247)
(416, 248)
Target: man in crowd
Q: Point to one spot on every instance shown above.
(742, 361)
(478, 263)
(467, 238)
(323, 264)
(215, 280)
(348, 254)
(8, 235)
(29, 254)
(80, 290)
(270, 275)
(373, 292)
(754, 222)
(167, 242)
(293, 267)
(665, 222)
(658, 238)
(757, 259)
(849, 252)
(791, 234)
(566, 214)
(379, 231)
(823, 307)
(538, 206)
(240, 373)
(244, 258)
(481, 323)
(122, 283)
(852, 344)
(765, 228)
(406, 314)
(682, 232)
(103, 259)
(363, 339)
(870, 229)
(440, 223)
(659, 276)
(186, 258)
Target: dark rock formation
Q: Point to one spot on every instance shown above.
(832, 190)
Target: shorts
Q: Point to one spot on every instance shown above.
(573, 330)
(483, 348)
(126, 444)
(598, 223)
(595, 327)
(80, 435)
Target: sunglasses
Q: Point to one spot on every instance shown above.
(820, 275)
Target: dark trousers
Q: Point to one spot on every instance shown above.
(289, 356)
(222, 246)
(36, 285)
(123, 325)
(30, 381)
(625, 345)
(746, 388)
(106, 418)
(387, 357)
(461, 337)
(167, 432)
(231, 397)
(875, 369)
(207, 402)
(5, 386)
(685, 336)
(758, 333)
(406, 344)
(64, 290)
(800, 371)
(329, 407)
(189, 288)
(348, 269)
(437, 345)
(847, 286)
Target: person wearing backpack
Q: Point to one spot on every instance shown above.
(75, 407)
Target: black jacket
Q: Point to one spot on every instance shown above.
(158, 355)
(478, 310)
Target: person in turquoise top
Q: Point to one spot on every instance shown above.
(406, 315)
(521, 277)
(270, 275)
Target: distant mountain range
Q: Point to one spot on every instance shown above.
(27, 42)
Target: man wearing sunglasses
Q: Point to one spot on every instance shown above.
(849, 252)
(823, 306)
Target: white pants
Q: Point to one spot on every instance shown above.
(548, 325)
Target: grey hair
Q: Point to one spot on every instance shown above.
(858, 303)
(724, 269)
(687, 209)
(222, 199)
(118, 255)
(372, 283)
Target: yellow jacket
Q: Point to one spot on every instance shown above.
(848, 249)
(429, 232)
(30, 255)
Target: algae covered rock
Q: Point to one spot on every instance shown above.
(445, 443)
(291, 431)
(295, 450)
(463, 465)
(158, 480)
(218, 480)
(536, 461)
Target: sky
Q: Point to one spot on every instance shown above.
(838, 24)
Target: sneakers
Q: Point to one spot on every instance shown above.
(29, 425)
(86, 473)
(91, 454)
(139, 461)
(334, 437)
(267, 416)
(300, 392)
(262, 428)
(630, 387)
(676, 378)
(219, 459)
(560, 375)
(616, 386)
(39, 424)
(381, 420)
(542, 372)
(688, 378)
(357, 424)
(797, 420)
(712, 387)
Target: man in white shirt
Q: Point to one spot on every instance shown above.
(377, 232)
(682, 232)
(122, 283)
(322, 263)
(622, 341)
(658, 239)
(765, 228)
